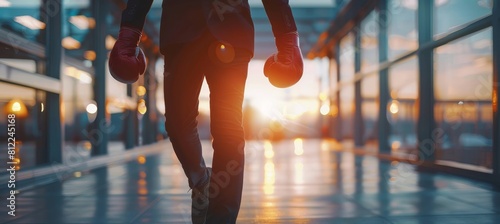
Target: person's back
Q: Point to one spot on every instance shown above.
(229, 21)
(210, 40)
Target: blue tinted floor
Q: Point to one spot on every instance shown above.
(293, 181)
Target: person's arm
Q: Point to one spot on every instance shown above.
(134, 15)
(127, 61)
(280, 15)
(285, 67)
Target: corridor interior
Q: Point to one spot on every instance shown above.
(290, 181)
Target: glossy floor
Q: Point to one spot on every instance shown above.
(293, 181)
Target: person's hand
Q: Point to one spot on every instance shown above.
(285, 67)
(127, 61)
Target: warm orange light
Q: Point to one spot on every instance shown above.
(141, 91)
(394, 107)
(82, 22)
(16, 107)
(268, 150)
(110, 42)
(30, 22)
(82, 76)
(225, 53)
(141, 159)
(90, 55)
(87, 145)
(323, 96)
(70, 43)
(269, 178)
(325, 109)
(141, 107)
(142, 190)
(494, 101)
(17, 161)
(294, 110)
(395, 145)
(299, 148)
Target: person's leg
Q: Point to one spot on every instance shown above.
(183, 78)
(227, 84)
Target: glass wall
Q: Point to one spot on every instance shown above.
(369, 30)
(347, 111)
(370, 94)
(369, 42)
(402, 27)
(451, 15)
(22, 40)
(347, 58)
(463, 81)
(402, 110)
(79, 111)
(347, 91)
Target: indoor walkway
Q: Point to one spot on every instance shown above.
(292, 181)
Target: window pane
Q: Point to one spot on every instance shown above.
(347, 57)
(27, 105)
(369, 42)
(463, 109)
(79, 21)
(370, 94)
(79, 112)
(450, 14)
(347, 110)
(402, 114)
(402, 27)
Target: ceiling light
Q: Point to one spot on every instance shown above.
(30, 22)
(82, 22)
(70, 43)
(82, 76)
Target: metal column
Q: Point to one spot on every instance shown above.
(331, 94)
(51, 13)
(338, 120)
(100, 124)
(426, 124)
(496, 92)
(130, 127)
(150, 118)
(384, 128)
(358, 98)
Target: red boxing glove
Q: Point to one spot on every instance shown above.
(127, 60)
(285, 67)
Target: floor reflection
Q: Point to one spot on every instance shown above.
(291, 181)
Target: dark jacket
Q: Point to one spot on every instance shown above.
(227, 20)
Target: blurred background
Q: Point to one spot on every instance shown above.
(406, 78)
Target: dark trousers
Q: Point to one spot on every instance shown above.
(225, 70)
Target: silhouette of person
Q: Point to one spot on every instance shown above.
(211, 39)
